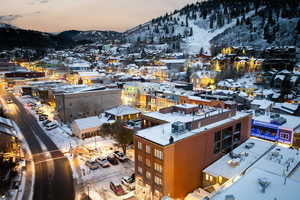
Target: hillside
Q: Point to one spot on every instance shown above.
(11, 37)
(89, 36)
(223, 22)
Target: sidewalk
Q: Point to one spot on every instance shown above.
(26, 192)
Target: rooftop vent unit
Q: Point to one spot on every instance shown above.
(264, 183)
(249, 145)
(275, 115)
(278, 121)
(178, 128)
(229, 197)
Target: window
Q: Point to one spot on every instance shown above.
(217, 147)
(227, 133)
(218, 136)
(148, 175)
(158, 167)
(148, 149)
(140, 147)
(284, 136)
(140, 170)
(238, 127)
(157, 180)
(140, 158)
(148, 163)
(157, 193)
(158, 154)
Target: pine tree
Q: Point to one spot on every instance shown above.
(191, 32)
(298, 27)
(237, 21)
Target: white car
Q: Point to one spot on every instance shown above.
(103, 162)
(51, 126)
(128, 182)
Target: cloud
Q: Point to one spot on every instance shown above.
(43, 1)
(9, 18)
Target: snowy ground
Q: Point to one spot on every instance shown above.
(202, 36)
(92, 182)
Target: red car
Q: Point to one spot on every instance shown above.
(117, 189)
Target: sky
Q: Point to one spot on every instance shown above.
(60, 15)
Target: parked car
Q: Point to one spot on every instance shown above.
(51, 127)
(92, 165)
(103, 162)
(120, 156)
(9, 101)
(128, 182)
(129, 179)
(117, 189)
(46, 122)
(50, 124)
(112, 159)
(42, 118)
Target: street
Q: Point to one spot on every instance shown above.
(53, 175)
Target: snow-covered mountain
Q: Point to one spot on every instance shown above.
(92, 36)
(222, 22)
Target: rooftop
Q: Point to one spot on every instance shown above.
(249, 156)
(292, 122)
(122, 110)
(88, 123)
(248, 187)
(161, 134)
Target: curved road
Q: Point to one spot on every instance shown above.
(53, 174)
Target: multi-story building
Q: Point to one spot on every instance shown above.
(179, 142)
(85, 102)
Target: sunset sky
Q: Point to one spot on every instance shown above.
(60, 15)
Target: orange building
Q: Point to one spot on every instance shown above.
(180, 142)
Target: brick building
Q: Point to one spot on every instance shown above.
(178, 142)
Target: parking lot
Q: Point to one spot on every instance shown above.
(96, 182)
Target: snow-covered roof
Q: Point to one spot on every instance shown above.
(290, 108)
(186, 105)
(88, 123)
(248, 188)
(223, 168)
(161, 134)
(279, 160)
(263, 103)
(174, 61)
(82, 74)
(292, 122)
(122, 110)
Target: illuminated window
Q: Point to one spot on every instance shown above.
(140, 170)
(148, 149)
(148, 175)
(140, 146)
(158, 154)
(140, 158)
(157, 193)
(157, 180)
(148, 163)
(157, 167)
(284, 136)
(206, 177)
